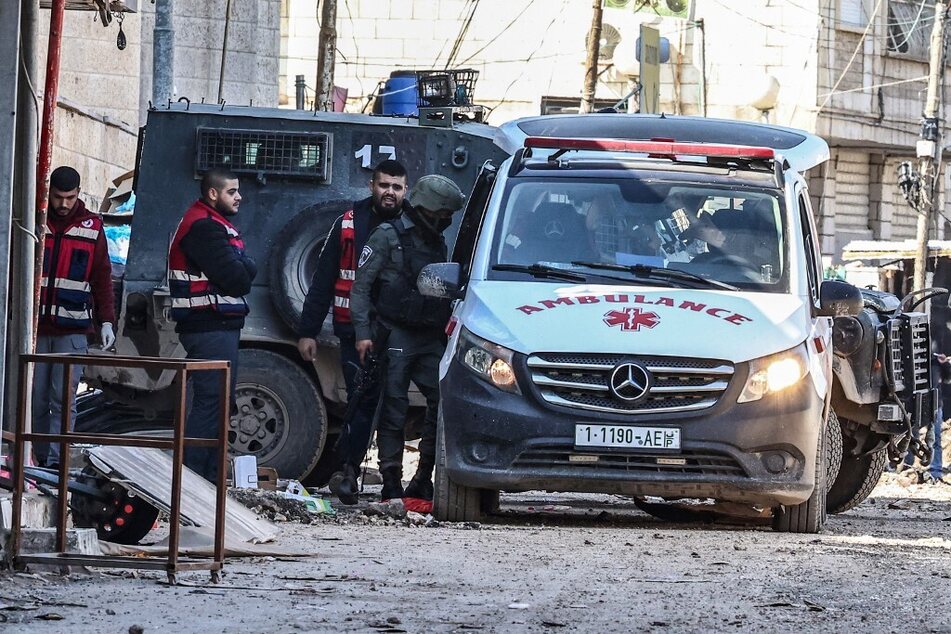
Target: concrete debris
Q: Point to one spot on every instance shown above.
(275, 506)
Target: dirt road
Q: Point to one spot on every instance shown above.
(587, 564)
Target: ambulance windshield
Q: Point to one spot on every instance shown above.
(734, 236)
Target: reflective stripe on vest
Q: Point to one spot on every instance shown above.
(65, 289)
(347, 269)
(191, 291)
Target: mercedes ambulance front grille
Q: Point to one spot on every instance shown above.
(707, 463)
(582, 381)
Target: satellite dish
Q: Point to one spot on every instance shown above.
(765, 94)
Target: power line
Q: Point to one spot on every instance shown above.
(499, 34)
(871, 21)
(467, 21)
(873, 86)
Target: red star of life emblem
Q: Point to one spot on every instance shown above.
(631, 319)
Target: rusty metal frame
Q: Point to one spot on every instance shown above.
(172, 564)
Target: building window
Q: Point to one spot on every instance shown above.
(909, 27)
(569, 105)
(852, 14)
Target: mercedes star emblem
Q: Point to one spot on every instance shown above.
(630, 381)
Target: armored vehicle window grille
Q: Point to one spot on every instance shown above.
(265, 152)
(583, 381)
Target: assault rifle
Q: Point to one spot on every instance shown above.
(366, 380)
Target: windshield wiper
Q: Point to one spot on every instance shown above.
(658, 272)
(542, 271)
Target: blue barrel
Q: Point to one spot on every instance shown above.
(398, 96)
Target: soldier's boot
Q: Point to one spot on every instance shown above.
(392, 483)
(421, 486)
(346, 488)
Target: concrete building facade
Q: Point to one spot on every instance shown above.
(104, 92)
(852, 71)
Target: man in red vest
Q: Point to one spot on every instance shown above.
(209, 274)
(75, 295)
(330, 286)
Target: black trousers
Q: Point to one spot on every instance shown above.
(410, 356)
(354, 439)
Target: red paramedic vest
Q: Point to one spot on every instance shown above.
(190, 290)
(348, 270)
(65, 290)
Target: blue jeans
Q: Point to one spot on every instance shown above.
(203, 387)
(48, 392)
(936, 466)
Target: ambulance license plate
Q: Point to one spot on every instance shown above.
(626, 436)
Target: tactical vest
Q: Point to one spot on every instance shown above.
(399, 300)
(190, 290)
(348, 269)
(65, 291)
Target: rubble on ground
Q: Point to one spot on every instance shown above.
(276, 507)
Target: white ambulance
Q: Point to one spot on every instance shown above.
(641, 311)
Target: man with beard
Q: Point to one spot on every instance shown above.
(385, 295)
(330, 286)
(208, 275)
(75, 293)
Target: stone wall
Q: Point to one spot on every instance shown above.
(105, 92)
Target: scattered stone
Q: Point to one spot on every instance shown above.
(275, 507)
(136, 629)
(519, 606)
(390, 508)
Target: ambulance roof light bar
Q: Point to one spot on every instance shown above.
(654, 147)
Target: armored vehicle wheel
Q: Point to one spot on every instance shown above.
(453, 502)
(294, 254)
(280, 417)
(809, 516)
(124, 519)
(857, 476)
(834, 440)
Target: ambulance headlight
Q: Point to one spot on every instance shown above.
(775, 373)
(490, 362)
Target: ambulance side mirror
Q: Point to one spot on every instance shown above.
(440, 280)
(839, 298)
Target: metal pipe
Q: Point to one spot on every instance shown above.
(163, 52)
(9, 76)
(299, 91)
(44, 162)
(703, 66)
(224, 52)
(24, 219)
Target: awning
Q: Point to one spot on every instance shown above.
(892, 249)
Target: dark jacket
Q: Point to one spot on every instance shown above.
(320, 295)
(208, 246)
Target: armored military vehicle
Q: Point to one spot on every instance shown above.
(299, 170)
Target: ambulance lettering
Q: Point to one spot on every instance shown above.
(623, 315)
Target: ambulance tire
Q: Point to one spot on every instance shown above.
(809, 516)
(857, 476)
(294, 254)
(280, 418)
(453, 502)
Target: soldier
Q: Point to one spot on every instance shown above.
(330, 286)
(385, 289)
(209, 274)
(76, 292)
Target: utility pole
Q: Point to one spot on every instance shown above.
(929, 145)
(224, 53)
(326, 52)
(163, 52)
(591, 63)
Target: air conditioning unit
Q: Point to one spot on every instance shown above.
(123, 6)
